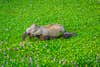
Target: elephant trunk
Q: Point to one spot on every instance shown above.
(24, 36)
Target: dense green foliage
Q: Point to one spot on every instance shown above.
(80, 16)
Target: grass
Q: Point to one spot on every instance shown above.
(80, 16)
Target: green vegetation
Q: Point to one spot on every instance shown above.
(80, 16)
